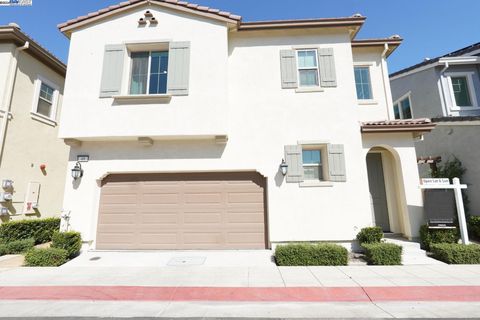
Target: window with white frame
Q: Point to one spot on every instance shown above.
(45, 99)
(363, 83)
(149, 72)
(402, 108)
(313, 163)
(462, 90)
(307, 63)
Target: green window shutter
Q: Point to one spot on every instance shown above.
(328, 77)
(288, 65)
(178, 68)
(293, 158)
(336, 162)
(112, 73)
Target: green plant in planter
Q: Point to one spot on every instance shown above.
(70, 241)
(370, 235)
(311, 254)
(383, 254)
(46, 257)
(454, 253)
(17, 246)
(431, 236)
(474, 226)
(41, 230)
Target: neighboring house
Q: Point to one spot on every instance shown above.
(446, 89)
(181, 115)
(32, 157)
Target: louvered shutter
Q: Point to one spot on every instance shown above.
(293, 158)
(336, 162)
(288, 68)
(178, 68)
(326, 60)
(112, 72)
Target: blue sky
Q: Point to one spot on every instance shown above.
(429, 27)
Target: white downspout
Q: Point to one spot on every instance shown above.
(446, 104)
(386, 83)
(12, 73)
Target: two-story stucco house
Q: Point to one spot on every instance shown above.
(32, 157)
(446, 89)
(202, 131)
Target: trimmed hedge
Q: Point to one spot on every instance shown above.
(17, 246)
(383, 254)
(311, 254)
(41, 230)
(454, 253)
(47, 257)
(370, 235)
(474, 226)
(70, 241)
(431, 236)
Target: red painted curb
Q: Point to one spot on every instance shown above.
(233, 294)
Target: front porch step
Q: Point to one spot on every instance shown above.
(411, 254)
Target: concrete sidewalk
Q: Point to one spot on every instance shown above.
(246, 276)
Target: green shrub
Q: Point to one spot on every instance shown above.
(431, 236)
(39, 229)
(17, 246)
(47, 257)
(383, 254)
(70, 241)
(311, 254)
(454, 253)
(370, 235)
(474, 226)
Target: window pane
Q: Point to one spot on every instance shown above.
(44, 108)
(307, 59)
(138, 83)
(362, 82)
(406, 110)
(396, 111)
(308, 78)
(460, 90)
(158, 72)
(46, 92)
(311, 156)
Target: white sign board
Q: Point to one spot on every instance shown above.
(428, 181)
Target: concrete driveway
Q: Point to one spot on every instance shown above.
(214, 258)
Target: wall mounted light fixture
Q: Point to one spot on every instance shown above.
(77, 171)
(284, 167)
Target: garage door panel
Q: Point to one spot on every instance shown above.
(182, 211)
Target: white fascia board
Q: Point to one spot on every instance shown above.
(460, 60)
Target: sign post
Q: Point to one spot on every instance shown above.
(444, 183)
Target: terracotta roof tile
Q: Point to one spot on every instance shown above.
(186, 4)
(407, 125)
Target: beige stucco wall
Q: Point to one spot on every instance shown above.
(235, 88)
(30, 143)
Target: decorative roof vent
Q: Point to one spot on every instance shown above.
(153, 20)
(148, 14)
(142, 22)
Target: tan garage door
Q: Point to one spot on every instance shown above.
(182, 211)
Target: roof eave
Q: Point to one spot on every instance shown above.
(14, 35)
(397, 128)
(393, 44)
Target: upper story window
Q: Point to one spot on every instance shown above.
(45, 98)
(402, 108)
(461, 91)
(149, 72)
(312, 164)
(307, 63)
(363, 83)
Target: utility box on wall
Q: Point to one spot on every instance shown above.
(31, 198)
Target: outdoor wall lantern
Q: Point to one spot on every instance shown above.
(77, 171)
(284, 167)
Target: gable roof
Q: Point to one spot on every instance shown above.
(456, 53)
(12, 34)
(173, 4)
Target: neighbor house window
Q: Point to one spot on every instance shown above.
(363, 83)
(402, 108)
(461, 91)
(149, 72)
(45, 99)
(307, 63)
(312, 164)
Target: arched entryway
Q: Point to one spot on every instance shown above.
(386, 188)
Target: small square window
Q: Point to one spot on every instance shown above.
(312, 164)
(149, 72)
(402, 109)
